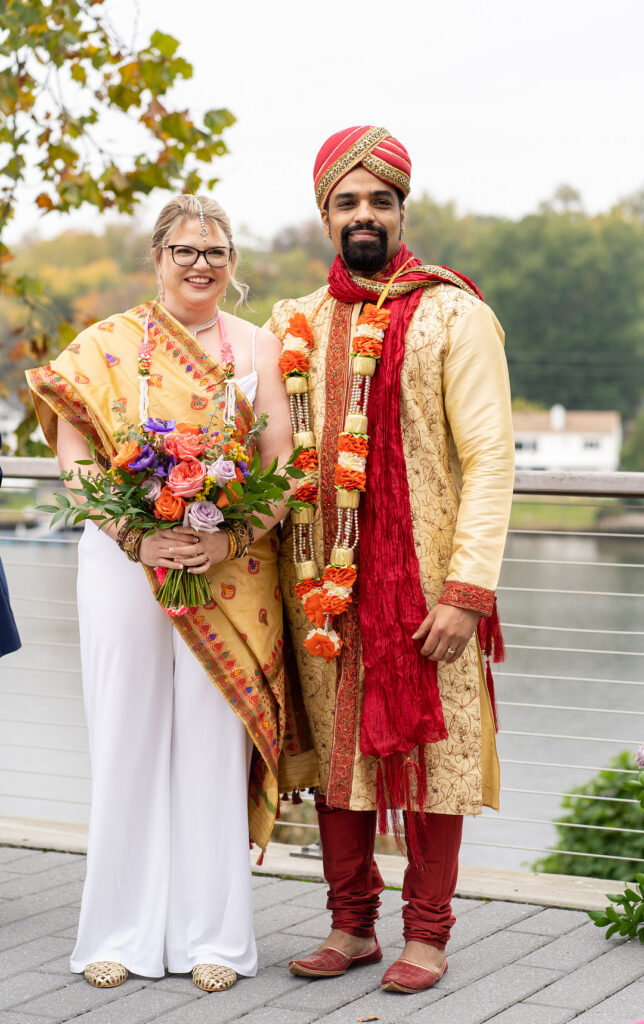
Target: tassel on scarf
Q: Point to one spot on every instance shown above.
(401, 783)
(493, 647)
(296, 798)
(381, 800)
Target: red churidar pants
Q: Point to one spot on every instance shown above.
(355, 883)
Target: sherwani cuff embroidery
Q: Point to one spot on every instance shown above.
(469, 596)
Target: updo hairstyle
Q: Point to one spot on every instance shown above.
(186, 207)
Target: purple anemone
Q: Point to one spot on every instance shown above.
(159, 426)
(143, 460)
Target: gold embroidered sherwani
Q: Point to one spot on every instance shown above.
(459, 453)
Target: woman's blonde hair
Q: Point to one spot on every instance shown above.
(186, 206)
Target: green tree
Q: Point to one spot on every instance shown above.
(633, 448)
(568, 290)
(610, 804)
(65, 70)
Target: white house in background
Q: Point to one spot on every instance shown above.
(558, 439)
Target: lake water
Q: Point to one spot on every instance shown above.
(44, 769)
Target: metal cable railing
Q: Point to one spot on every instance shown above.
(540, 684)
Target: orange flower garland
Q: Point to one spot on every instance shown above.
(326, 596)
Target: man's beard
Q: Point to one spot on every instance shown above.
(364, 257)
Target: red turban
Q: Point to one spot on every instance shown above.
(372, 147)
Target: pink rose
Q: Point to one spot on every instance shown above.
(187, 477)
(184, 445)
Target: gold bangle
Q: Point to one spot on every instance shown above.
(232, 547)
(129, 540)
(240, 537)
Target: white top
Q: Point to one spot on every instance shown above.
(248, 384)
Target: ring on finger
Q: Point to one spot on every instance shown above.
(451, 650)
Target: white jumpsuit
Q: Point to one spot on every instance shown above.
(168, 871)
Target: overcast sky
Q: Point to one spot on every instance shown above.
(498, 102)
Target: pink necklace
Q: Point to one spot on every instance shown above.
(143, 369)
(228, 360)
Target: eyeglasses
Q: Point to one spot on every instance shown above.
(187, 255)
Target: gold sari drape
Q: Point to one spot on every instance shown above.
(93, 385)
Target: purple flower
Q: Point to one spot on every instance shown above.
(244, 468)
(159, 426)
(143, 460)
(162, 466)
(223, 471)
(203, 515)
(639, 757)
(151, 489)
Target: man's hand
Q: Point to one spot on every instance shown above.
(446, 632)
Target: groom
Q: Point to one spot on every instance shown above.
(402, 715)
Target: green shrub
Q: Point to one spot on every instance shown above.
(604, 813)
(629, 921)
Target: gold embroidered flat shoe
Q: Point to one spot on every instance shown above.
(213, 978)
(106, 974)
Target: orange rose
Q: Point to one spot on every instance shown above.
(375, 317)
(169, 506)
(307, 492)
(126, 455)
(350, 479)
(332, 606)
(355, 445)
(292, 361)
(367, 346)
(314, 608)
(223, 500)
(187, 428)
(185, 445)
(343, 576)
(304, 587)
(321, 645)
(298, 325)
(307, 460)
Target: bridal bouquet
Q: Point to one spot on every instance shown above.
(168, 474)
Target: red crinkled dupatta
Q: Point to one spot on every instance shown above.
(402, 709)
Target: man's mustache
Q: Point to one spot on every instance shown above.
(376, 228)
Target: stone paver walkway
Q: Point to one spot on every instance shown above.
(509, 963)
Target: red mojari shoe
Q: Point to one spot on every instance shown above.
(403, 976)
(331, 963)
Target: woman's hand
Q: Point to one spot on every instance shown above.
(184, 548)
(446, 632)
(210, 549)
(167, 548)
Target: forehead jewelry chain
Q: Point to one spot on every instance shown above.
(203, 231)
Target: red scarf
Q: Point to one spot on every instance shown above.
(402, 709)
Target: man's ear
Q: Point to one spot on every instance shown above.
(324, 214)
(403, 213)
